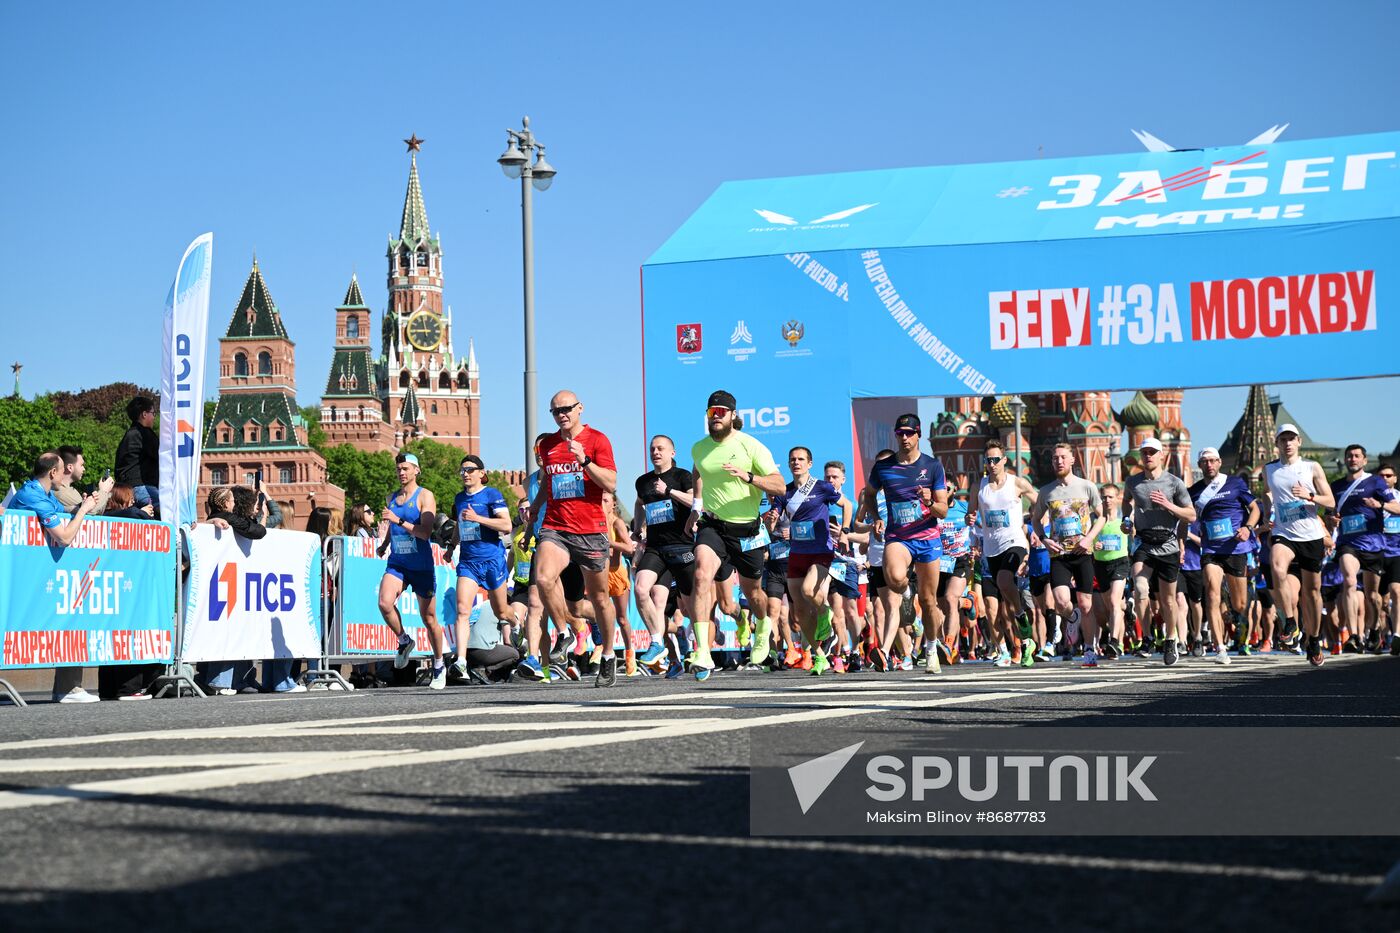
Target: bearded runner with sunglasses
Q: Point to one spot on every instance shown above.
(1156, 502)
(732, 472)
(576, 468)
(916, 499)
(995, 507)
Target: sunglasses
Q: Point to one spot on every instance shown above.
(563, 409)
(468, 469)
(905, 432)
(716, 411)
(991, 461)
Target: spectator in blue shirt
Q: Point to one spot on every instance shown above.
(37, 495)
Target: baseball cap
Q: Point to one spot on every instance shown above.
(722, 399)
(474, 460)
(1287, 428)
(409, 458)
(907, 421)
(1150, 443)
(1210, 452)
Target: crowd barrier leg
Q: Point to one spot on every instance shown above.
(178, 676)
(326, 673)
(12, 693)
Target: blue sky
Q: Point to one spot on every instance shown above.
(132, 129)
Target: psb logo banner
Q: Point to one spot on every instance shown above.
(182, 380)
(106, 599)
(246, 600)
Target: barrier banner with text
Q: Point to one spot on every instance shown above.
(107, 598)
(362, 630)
(247, 600)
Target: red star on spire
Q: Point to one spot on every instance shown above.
(414, 143)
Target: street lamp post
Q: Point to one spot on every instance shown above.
(1017, 406)
(515, 162)
(1114, 457)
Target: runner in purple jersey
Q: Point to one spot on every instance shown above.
(916, 501)
(1358, 525)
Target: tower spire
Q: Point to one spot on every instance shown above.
(414, 226)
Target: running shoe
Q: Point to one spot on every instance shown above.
(675, 670)
(630, 663)
(820, 665)
(762, 641)
(702, 667)
(1169, 654)
(530, 669)
(571, 672)
(1222, 656)
(823, 626)
(607, 673)
(653, 655)
(854, 662)
(1073, 628)
(906, 664)
(838, 664)
(793, 657)
(1003, 658)
(1266, 646)
(1027, 653)
(943, 654)
(1045, 654)
(565, 642)
(439, 680)
(1111, 651)
(805, 662)
(1315, 656)
(1023, 626)
(702, 674)
(932, 666)
(1091, 658)
(878, 659)
(401, 657)
(460, 669)
(477, 675)
(743, 628)
(1198, 649)
(1245, 649)
(1144, 650)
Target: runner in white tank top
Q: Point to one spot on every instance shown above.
(1296, 488)
(995, 508)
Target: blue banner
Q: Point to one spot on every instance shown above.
(363, 630)
(107, 598)
(1191, 269)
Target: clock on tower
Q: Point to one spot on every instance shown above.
(424, 330)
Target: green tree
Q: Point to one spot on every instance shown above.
(27, 429)
(104, 403)
(365, 477)
(315, 437)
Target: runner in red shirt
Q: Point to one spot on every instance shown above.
(576, 468)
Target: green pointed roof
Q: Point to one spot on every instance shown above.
(409, 413)
(264, 319)
(260, 408)
(414, 226)
(1140, 412)
(353, 298)
(354, 364)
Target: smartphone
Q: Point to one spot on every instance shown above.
(257, 480)
(107, 474)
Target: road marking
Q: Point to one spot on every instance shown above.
(342, 763)
(163, 762)
(944, 854)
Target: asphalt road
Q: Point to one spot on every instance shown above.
(565, 806)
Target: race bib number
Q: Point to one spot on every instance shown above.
(1392, 524)
(997, 518)
(404, 544)
(566, 485)
(905, 513)
(1219, 529)
(1110, 542)
(803, 531)
(837, 571)
(946, 563)
(778, 550)
(469, 531)
(1295, 511)
(522, 570)
(659, 513)
(757, 541)
(1067, 526)
(1353, 524)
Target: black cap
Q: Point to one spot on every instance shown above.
(908, 421)
(474, 460)
(722, 398)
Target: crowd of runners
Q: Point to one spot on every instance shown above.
(916, 573)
